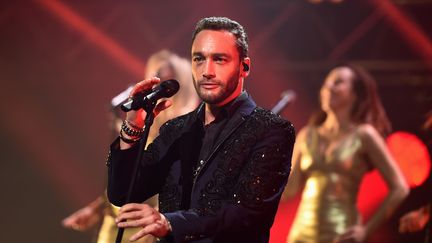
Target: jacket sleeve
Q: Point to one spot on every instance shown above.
(121, 165)
(250, 210)
(152, 169)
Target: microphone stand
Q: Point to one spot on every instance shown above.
(148, 107)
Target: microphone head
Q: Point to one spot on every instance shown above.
(165, 89)
(289, 94)
(287, 97)
(169, 88)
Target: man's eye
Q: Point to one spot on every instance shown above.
(220, 60)
(197, 59)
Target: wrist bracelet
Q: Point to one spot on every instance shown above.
(130, 131)
(127, 140)
(133, 125)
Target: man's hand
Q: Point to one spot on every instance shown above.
(142, 215)
(138, 117)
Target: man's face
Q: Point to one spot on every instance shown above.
(216, 67)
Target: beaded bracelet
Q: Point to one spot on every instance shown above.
(133, 125)
(131, 131)
(127, 140)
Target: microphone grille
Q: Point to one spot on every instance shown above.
(170, 87)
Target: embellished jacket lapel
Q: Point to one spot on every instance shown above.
(236, 121)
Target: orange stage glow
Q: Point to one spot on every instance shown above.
(411, 155)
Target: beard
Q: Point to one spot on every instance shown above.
(219, 93)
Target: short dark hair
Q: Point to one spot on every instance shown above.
(224, 23)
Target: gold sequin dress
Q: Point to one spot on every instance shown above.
(332, 174)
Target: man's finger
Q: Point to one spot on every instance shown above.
(162, 106)
(138, 235)
(133, 207)
(149, 229)
(132, 215)
(144, 85)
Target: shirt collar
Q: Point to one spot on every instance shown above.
(228, 109)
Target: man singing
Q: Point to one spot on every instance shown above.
(219, 170)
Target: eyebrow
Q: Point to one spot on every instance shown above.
(213, 54)
(197, 54)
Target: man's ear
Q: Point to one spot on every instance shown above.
(246, 67)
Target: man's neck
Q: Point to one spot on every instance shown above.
(211, 111)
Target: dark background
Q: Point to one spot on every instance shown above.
(62, 61)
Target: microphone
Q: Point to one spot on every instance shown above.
(121, 98)
(165, 89)
(287, 97)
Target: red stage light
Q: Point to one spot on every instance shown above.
(412, 156)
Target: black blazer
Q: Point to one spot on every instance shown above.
(234, 197)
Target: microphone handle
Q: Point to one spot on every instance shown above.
(136, 102)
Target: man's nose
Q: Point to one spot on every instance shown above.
(209, 70)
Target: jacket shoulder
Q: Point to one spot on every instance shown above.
(271, 121)
(177, 122)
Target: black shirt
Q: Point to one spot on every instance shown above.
(211, 133)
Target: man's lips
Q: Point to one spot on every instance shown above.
(209, 85)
